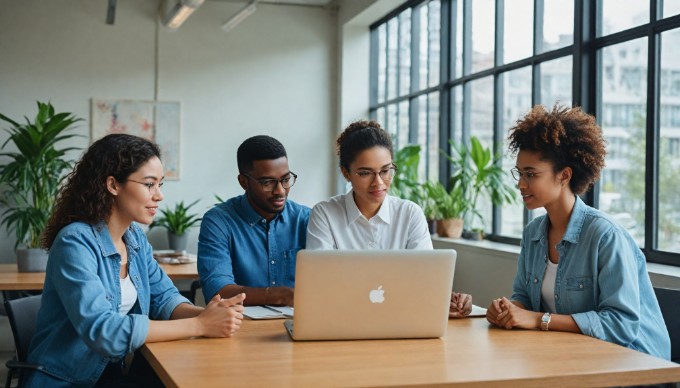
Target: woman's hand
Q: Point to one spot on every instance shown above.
(222, 317)
(503, 313)
(461, 305)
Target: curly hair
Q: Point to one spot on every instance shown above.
(566, 137)
(261, 147)
(359, 136)
(84, 197)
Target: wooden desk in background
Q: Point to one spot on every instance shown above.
(471, 354)
(11, 279)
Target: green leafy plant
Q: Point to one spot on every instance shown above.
(443, 204)
(476, 173)
(405, 182)
(32, 175)
(177, 220)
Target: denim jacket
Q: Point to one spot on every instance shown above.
(237, 246)
(79, 329)
(601, 281)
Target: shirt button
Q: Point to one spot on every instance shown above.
(273, 262)
(273, 283)
(535, 280)
(557, 296)
(580, 286)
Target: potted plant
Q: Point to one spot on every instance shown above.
(30, 178)
(447, 207)
(477, 173)
(177, 221)
(406, 185)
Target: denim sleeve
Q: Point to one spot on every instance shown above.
(164, 296)
(214, 258)
(418, 233)
(520, 293)
(319, 234)
(617, 318)
(73, 268)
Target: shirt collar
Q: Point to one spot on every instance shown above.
(252, 217)
(353, 212)
(574, 227)
(576, 221)
(101, 233)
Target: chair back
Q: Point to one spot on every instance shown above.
(23, 314)
(669, 301)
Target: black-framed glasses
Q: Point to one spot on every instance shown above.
(154, 187)
(269, 184)
(386, 174)
(527, 176)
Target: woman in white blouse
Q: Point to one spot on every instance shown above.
(367, 217)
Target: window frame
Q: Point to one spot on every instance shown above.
(586, 76)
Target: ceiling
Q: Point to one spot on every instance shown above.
(111, 8)
(309, 3)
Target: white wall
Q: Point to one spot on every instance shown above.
(273, 74)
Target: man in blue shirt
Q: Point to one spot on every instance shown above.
(249, 243)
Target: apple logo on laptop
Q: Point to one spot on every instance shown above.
(377, 296)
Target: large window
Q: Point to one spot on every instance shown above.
(451, 69)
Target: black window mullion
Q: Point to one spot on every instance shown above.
(499, 96)
(467, 37)
(539, 6)
(374, 62)
(498, 33)
(653, 138)
(447, 64)
(499, 48)
(414, 104)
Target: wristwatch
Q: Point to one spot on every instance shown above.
(545, 321)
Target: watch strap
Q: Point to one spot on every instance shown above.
(545, 321)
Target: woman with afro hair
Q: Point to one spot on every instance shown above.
(578, 270)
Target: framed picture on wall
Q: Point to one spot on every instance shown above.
(157, 121)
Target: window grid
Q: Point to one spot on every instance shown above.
(555, 59)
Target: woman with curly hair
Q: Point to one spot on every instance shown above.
(104, 294)
(367, 217)
(578, 270)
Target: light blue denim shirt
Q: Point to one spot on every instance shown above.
(602, 281)
(79, 329)
(237, 246)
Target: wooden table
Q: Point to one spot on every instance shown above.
(471, 354)
(11, 279)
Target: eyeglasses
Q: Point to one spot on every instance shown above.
(270, 184)
(527, 176)
(153, 187)
(386, 174)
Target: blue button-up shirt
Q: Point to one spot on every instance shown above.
(602, 281)
(79, 329)
(238, 246)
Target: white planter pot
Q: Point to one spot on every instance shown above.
(31, 260)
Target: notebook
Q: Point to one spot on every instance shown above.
(341, 295)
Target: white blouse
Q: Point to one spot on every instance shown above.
(128, 295)
(338, 224)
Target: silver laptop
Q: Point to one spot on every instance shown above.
(341, 295)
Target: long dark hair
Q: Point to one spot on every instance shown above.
(84, 197)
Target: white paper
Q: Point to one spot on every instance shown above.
(267, 312)
(477, 311)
